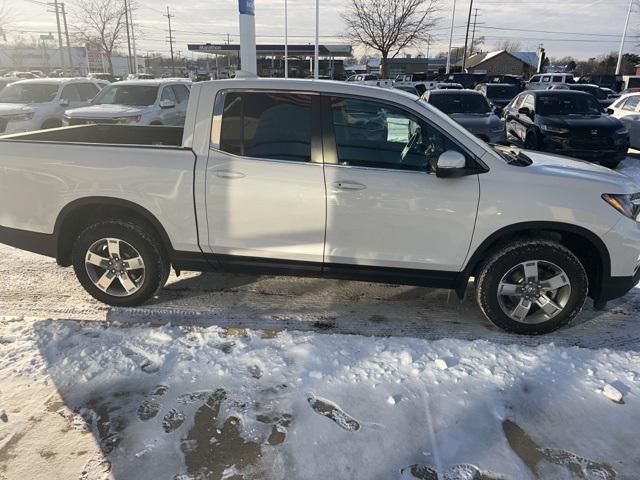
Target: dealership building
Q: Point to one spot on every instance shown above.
(225, 59)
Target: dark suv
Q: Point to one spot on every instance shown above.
(499, 94)
(566, 122)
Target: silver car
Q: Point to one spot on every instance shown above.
(470, 109)
(139, 102)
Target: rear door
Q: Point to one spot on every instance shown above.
(265, 185)
(387, 212)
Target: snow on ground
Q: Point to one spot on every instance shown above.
(191, 402)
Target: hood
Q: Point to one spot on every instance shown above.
(480, 121)
(567, 169)
(105, 111)
(14, 108)
(605, 122)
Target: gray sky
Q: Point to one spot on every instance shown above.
(584, 27)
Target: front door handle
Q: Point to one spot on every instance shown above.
(228, 174)
(344, 185)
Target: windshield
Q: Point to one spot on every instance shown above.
(132, 95)
(462, 103)
(567, 105)
(28, 93)
(501, 91)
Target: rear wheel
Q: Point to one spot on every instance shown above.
(119, 263)
(531, 287)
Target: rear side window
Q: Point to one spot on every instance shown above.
(631, 103)
(87, 90)
(267, 125)
(182, 93)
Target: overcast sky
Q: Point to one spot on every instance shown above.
(581, 28)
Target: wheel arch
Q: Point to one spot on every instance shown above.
(79, 214)
(586, 245)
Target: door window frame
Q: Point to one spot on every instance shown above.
(316, 129)
(330, 147)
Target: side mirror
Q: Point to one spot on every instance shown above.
(525, 111)
(167, 104)
(451, 164)
(64, 102)
(610, 111)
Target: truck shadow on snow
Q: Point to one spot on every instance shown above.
(172, 413)
(361, 308)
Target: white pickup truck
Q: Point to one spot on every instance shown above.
(325, 179)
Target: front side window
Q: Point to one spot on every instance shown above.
(377, 135)
(168, 94)
(87, 90)
(267, 125)
(631, 103)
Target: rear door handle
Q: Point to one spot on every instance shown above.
(228, 174)
(343, 185)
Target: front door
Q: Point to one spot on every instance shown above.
(265, 185)
(385, 206)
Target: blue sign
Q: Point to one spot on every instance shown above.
(247, 7)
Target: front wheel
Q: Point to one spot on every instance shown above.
(119, 263)
(532, 287)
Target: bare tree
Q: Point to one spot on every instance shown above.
(100, 23)
(389, 26)
(6, 18)
(509, 45)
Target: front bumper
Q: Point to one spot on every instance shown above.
(616, 287)
(561, 145)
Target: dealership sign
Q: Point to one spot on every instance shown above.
(247, 7)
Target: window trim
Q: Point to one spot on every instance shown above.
(316, 131)
(330, 146)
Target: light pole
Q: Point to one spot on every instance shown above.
(453, 17)
(624, 34)
(286, 41)
(316, 51)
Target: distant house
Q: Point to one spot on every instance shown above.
(398, 66)
(502, 62)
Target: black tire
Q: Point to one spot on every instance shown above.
(138, 236)
(51, 124)
(531, 141)
(611, 164)
(505, 259)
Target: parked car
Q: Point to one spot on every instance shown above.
(4, 81)
(507, 78)
(595, 90)
(140, 76)
(103, 76)
(470, 109)
(22, 75)
(499, 94)
(629, 82)
(370, 79)
(627, 110)
(40, 103)
(141, 102)
(447, 86)
(566, 122)
(542, 81)
(395, 192)
(409, 89)
(614, 82)
(467, 80)
(411, 79)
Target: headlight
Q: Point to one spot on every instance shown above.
(135, 119)
(20, 117)
(626, 204)
(551, 129)
(622, 131)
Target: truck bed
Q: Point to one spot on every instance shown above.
(140, 135)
